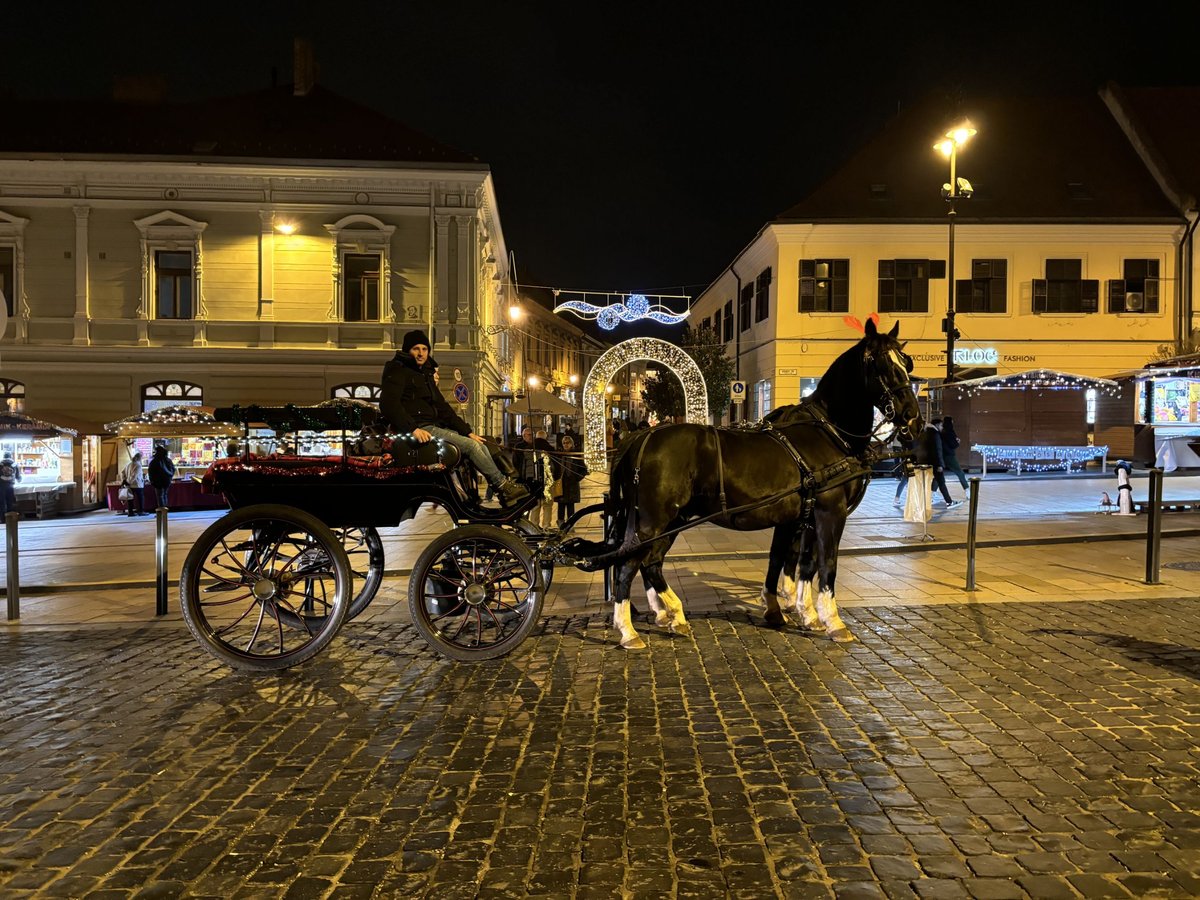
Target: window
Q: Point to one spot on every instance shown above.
(361, 390)
(1137, 292)
(986, 291)
(13, 394)
(172, 257)
(824, 285)
(361, 271)
(744, 306)
(717, 323)
(762, 399)
(904, 283)
(707, 323)
(762, 295)
(1064, 290)
(728, 322)
(171, 393)
(173, 284)
(8, 278)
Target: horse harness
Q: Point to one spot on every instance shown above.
(811, 481)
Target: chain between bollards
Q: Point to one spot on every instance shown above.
(14, 569)
(972, 519)
(1154, 526)
(160, 560)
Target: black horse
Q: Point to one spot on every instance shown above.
(802, 473)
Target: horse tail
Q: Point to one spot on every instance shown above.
(622, 526)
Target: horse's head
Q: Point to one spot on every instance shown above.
(887, 367)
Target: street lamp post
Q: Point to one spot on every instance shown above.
(956, 189)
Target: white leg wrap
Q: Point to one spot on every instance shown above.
(828, 611)
(623, 619)
(806, 609)
(661, 617)
(678, 623)
(787, 589)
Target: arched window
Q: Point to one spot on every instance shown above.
(13, 395)
(361, 269)
(356, 390)
(171, 393)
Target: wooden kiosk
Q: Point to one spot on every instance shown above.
(1033, 421)
(1154, 416)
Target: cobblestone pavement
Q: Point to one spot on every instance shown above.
(996, 750)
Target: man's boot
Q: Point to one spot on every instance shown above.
(511, 493)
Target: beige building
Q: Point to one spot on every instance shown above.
(272, 248)
(1074, 252)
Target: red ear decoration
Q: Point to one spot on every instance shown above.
(852, 322)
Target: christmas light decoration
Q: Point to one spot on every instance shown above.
(1036, 379)
(695, 391)
(1038, 458)
(634, 307)
(173, 421)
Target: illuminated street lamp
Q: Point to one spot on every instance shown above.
(956, 189)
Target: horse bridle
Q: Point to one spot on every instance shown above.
(891, 395)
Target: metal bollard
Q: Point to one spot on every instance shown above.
(972, 521)
(14, 568)
(607, 569)
(160, 560)
(1154, 526)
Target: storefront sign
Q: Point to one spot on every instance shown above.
(976, 356)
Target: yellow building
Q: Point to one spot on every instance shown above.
(269, 248)
(1073, 252)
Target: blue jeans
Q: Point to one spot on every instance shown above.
(476, 452)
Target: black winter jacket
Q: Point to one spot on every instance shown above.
(161, 470)
(408, 398)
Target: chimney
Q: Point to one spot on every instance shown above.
(304, 74)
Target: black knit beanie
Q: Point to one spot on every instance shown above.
(413, 338)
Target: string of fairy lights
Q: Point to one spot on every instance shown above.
(1039, 458)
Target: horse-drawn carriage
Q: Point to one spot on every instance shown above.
(269, 585)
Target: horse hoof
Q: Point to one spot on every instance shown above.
(812, 627)
(842, 636)
(775, 619)
(681, 628)
(633, 643)
(662, 619)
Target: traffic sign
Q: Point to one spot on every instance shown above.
(737, 391)
(458, 374)
(461, 393)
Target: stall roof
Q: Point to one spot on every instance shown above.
(173, 421)
(536, 402)
(1035, 379)
(19, 423)
(79, 426)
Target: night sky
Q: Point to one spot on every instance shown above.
(634, 150)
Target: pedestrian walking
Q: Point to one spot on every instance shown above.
(569, 472)
(161, 472)
(950, 444)
(931, 445)
(133, 479)
(10, 474)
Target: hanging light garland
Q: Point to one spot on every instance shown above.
(1039, 458)
(1036, 379)
(634, 308)
(173, 421)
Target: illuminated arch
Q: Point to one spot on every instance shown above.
(695, 394)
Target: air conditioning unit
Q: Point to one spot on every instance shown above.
(1135, 301)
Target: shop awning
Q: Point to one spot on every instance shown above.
(14, 424)
(79, 426)
(537, 402)
(1035, 380)
(174, 422)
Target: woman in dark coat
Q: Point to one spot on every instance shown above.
(950, 443)
(571, 471)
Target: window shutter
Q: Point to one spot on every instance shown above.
(1039, 295)
(1116, 295)
(1151, 289)
(937, 268)
(1089, 295)
(887, 295)
(964, 295)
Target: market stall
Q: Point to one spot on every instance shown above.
(44, 454)
(194, 440)
(1027, 421)
(1155, 417)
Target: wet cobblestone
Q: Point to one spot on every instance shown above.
(1008, 750)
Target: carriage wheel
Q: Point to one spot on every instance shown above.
(364, 549)
(475, 593)
(265, 587)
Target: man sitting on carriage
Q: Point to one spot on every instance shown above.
(410, 400)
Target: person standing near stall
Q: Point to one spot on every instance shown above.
(162, 473)
(133, 479)
(569, 472)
